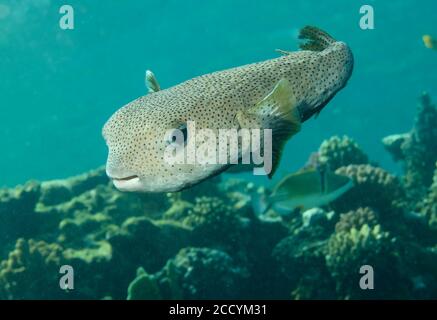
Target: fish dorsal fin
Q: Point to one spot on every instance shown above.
(276, 111)
(151, 82)
(316, 39)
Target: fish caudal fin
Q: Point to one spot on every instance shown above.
(276, 111)
(317, 39)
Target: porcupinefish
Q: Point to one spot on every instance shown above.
(305, 189)
(277, 94)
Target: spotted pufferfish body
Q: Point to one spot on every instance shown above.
(278, 94)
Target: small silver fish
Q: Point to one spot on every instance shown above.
(277, 94)
(305, 190)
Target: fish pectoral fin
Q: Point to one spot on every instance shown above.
(277, 111)
(151, 82)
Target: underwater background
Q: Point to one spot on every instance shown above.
(58, 87)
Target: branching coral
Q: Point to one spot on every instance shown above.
(374, 187)
(211, 214)
(337, 152)
(356, 219)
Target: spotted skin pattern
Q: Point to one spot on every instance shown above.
(136, 133)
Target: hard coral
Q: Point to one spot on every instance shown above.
(338, 151)
(32, 271)
(429, 205)
(212, 221)
(194, 273)
(417, 150)
(348, 251)
(356, 219)
(17, 214)
(373, 187)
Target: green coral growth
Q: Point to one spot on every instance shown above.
(373, 187)
(429, 204)
(189, 276)
(356, 219)
(338, 151)
(143, 287)
(31, 271)
(347, 251)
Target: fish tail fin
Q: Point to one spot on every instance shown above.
(317, 39)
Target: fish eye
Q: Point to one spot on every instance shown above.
(178, 136)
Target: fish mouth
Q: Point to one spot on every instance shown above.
(125, 178)
(130, 183)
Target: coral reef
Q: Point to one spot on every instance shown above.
(142, 242)
(59, 191)
(373, 187)
(207, 242)
(356, 219)
(17, 214)
(195, 269)
(338, 151)
(417, 150)
(347, 251)
(144, 287)
(429, 205)
(189, 275)
(31, 271)
(300, 263)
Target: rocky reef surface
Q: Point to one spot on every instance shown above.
(206, 242)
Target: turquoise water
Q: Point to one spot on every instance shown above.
(214, 240)
(58, 87)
